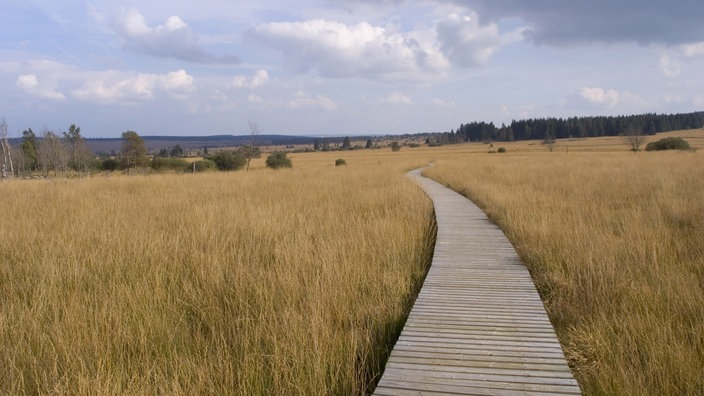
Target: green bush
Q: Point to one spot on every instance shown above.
(228, 160)
(109, 164)
(502, 150)
(278, 159)
(162, 163)
(668, 143)
(340, 161)
(204, 165)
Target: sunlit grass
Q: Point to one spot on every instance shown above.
(287, 282)
(296, 281)
(615, 244)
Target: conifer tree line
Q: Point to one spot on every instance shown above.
(575, 127)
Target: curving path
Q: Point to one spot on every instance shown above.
(478, 325)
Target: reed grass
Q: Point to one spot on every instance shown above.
(615, 244)
(288, 282)
(298, 281)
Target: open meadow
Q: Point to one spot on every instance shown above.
(615, 243)
(263, 282)
(297, 281)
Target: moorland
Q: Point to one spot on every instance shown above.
(297, 281)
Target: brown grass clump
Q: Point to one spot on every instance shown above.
(260, 282)
(615, 243)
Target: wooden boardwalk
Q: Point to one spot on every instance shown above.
(478, 326)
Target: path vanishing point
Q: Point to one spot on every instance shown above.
(478, 326)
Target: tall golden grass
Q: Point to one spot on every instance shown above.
(297, 281)
(615, 244)
(288, 282)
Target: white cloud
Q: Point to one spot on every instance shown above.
(173, 39)
(668, 66)
(441, 103)
(252, 98)
(398, 98)
(113, 86)
(301, 99)
(693, 50)
(698, 100)
(260, 77)
(219, 96)
(30, 84)
(95, 14)
(465, 42)
(602, 96)
(514, 36)
(334, 49)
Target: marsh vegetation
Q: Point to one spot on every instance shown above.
(296, 281)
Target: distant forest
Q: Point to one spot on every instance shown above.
(575, 127)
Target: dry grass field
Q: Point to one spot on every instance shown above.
(296, 281)
(267, 282)
(615, 243)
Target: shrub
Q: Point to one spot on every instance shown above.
(228, 160)
(162, 163)
(204, 165)
(109, 164)
(278, 159)
(340, 161)
(668, 143)
(502, 150)
(395, 146)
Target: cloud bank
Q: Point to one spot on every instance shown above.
(335, 49)
(173, 39)
(56, 81)
(559, 22)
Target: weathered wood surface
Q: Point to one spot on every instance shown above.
(478, 326)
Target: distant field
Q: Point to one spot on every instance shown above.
(296, 281)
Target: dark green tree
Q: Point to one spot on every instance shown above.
(29, 149)
(134, 152)
(369, 144)
(346, 144)
(177, 152)
(395, 146)
(316, 144)
(80, 155)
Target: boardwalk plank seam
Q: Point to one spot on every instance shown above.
(478, 325)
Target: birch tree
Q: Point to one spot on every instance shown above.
(6, 151)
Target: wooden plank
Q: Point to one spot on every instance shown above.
(473, 387)
(473, 359)
(493, 374)
(478, 325)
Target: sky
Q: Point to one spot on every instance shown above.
(337, 68)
